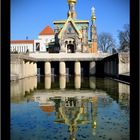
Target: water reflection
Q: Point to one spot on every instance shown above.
(62, 82)
(118, 91)
(124, 96)
(47, 82)
(100, 111)
(92, 82)
(77, 82)
(21, 88)
(70, 110)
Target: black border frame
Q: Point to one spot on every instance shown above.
(5, 69)
(134, 72)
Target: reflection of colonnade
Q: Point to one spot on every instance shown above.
(118, 91)
(64, 80)
(23, 68)
(21, 87)
(124, 94)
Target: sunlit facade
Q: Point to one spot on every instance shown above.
(68, 36)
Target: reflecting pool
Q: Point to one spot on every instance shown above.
(69, 108)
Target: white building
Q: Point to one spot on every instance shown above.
(22, 46)
(45, 37)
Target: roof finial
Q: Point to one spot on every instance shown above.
(93, 17)
(93, 10)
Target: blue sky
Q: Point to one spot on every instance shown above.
(29, 17)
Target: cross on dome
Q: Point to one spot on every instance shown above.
(93, 9)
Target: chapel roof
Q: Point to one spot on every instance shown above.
(47, 31)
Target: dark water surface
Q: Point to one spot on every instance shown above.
(69, 108)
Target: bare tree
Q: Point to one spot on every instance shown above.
(124, 38)
(106, 42)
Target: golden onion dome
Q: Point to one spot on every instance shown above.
(71, 1)
(93, 17)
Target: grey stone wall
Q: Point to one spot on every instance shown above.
(20, 68)
(117, 64)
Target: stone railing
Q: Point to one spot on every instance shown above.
(68, 56)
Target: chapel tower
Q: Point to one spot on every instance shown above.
(72, 12)
(93, 33)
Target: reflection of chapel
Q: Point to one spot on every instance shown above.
(69, 36)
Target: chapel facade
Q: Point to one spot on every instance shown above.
(69, 36)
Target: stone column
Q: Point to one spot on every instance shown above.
(77, 68)
(77, 82)
(62, 82)
(47, 68)
(23, 76)
(92, 68)
(47, 82)
(20, 68)
(33, 72)
(31, 69)
(62, 68)
(35, 85)
(35, 68)
(27, 69)
(23, 69)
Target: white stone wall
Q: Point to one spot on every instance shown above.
(46, 38)
(42, 45)
(43, 40)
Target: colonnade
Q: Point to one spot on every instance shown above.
(111, 67)
(117, 64)
(29, 69)
(62, 73)
(23, 68)
(77, 68)
(18, 89)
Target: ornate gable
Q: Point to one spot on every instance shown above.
(69, 28)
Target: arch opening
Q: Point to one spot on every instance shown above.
(70, 48)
